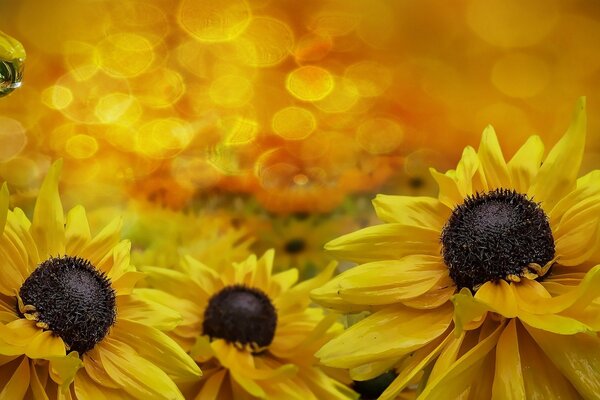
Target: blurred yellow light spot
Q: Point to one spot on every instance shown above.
(300, 179)
(81, 59)
(265, 42)
(343, 97)
(294, 123)
(12, 138)
(195, 58)
(231, 91)
(310, 83)
(277, 175)
(163, 138)
(158, 89)
(313, 47)
(118, 108)
(371, 78)
(379, 135)
(125, 55)
(334, 20)
(194, 173)
(239, 130)
(214, 21)
(520, 75)
(81, 146)
(19, 171)
(512, 23)
(57, 97)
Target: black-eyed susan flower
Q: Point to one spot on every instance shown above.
(71, 324)
(252, 331)
(512, 245)
(298, 239)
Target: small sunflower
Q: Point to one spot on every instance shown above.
(252, 332)
(490, 288)
(71, 323)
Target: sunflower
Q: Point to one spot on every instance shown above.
(71, 323)
(253, 332)
(489, 289)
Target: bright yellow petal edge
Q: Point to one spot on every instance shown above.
(135, 359)
(513, 338)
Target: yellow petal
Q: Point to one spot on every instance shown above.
(525, 164)
(417, 363)
(46, 345)
(136, 375)
(385, 242)
(118, 264)
(449, 193)
(157, 348)
(428, 212)
(63, 369)
(448, 355)
(96, 371)
(77, 233)
(262, 273)
(463, 372)
(172, 281)
(18, 384)
(508, 377)
(140, 307)
(237, 361)
(373, 369)
(101, 245)
(282, 281)
(542, 379)
(558, 173)
(212, 386)
(298, 295)
(578, 235)
(467, 309)
(4, 196)
(575, 356)
(392, 332)
(492, 161)
(87, 389)
(37, 389)
(559, 324)
(48, 226)
(466, 169)
(499, 297)
(125, 284)
(383, 282)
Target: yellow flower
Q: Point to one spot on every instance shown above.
(71, 323)
(253, 332)
(512, 245)
(298, 240)
(161, 236)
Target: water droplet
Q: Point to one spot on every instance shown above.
(12, 60)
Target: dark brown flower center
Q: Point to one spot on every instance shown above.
(495, 235)
(240, 314)
(74, 300)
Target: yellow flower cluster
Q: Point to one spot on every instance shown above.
(224, 153)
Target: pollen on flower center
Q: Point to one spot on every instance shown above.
(497, 235)
(240, 314)
(70, 297)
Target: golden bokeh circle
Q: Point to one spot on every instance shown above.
(310, 83)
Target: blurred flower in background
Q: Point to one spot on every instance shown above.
(296, 104)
